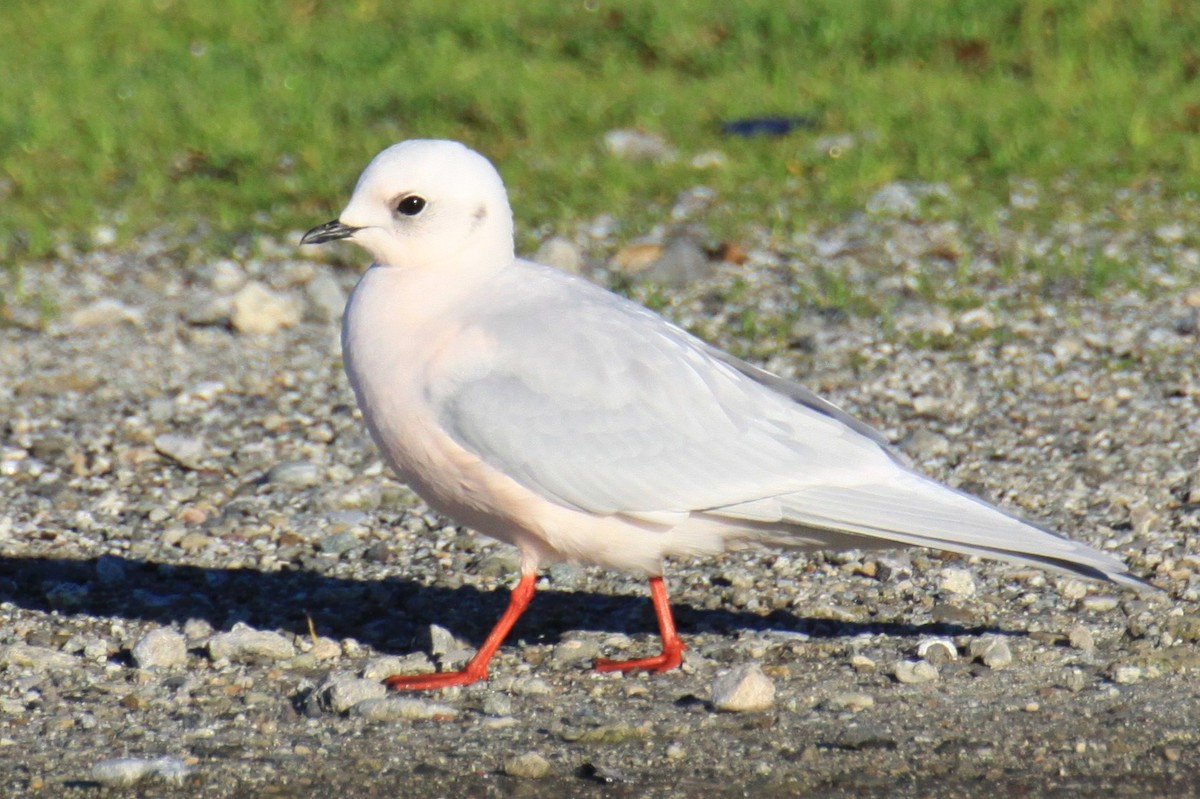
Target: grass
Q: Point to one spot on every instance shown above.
(246, 118)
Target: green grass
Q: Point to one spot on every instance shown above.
(243, 118)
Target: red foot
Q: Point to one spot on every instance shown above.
(672, 651)
(427, 682)
(476, 670)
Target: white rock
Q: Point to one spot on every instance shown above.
(380, 668)
(1125, 674)
(160, 648)
(637, 146)
(106, 312)
(561, 254)
(992, 652)
(914, 672)
(937, 651)
(395, 708)
(227, 277)
(184, 450)
(530, 766)
(244, 643)
(298, 474)
(126, 771)
(340, 692)
(1081, 637)
(743, 689)
(853, 701)
(956, 581)
(259, 309)
(38, 658)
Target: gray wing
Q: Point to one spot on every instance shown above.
(596, 403)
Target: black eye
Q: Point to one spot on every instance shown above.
(411, 205)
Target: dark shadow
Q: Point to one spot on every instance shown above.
(390, 615)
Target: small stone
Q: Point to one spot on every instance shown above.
(110, 570)
(226, 276)
(956, 581)
(1081, 637)
(1074, 680)
(1125, 674)
(259, 309)
(1170, 233)
(339, 692)
(442, 641)
(38, 658)
(576, 652)
(105, 312)
(325, 297)
(561, 254)
(396, 708)
(675, 751)
(497, 704)
(160, 648)
(914, 672)
(633, 145)
(743, 689)
(338, 543)
(992, 652)
(297, 474)
(708, 159)
(126, 771)
(637, 257)
(1101, 603)
(380, 668)
(529, 766)
(245, 644)
(862, 664)
(925, 445)
(1073, 589)
(184, 450)
(937, 651)
(851, 700)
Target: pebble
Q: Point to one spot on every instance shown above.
(105, 312)
(325, 297)
(634, 145)
(743, 689)
(862, 664)
(397, 708)
(1125, 674)
(991, 652)
(184, 450)
(38, 658)
(442, 641)
(958, 582)
(1073, 589)
(127, 771)
(497, 704)
(160, 648)
(1101, 603)
(914, 672)
(853, 701)
(297, 474)
(1081, 638)
(925, 445)
(529, 766)
(560, 253)
(937, 651)
(380, 668)
(340, 691)
(259, 309)
(573, 651)
(243, 644)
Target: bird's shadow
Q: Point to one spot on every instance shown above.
(390, 615)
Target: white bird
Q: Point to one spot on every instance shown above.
(549, 413)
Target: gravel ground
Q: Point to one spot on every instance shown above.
(205, 569)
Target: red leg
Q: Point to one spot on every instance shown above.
(672, 650)
(476, 670)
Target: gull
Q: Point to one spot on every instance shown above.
(544, 411)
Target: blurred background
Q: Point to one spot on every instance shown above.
(223, 120)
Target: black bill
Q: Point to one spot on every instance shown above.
(330, 231)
